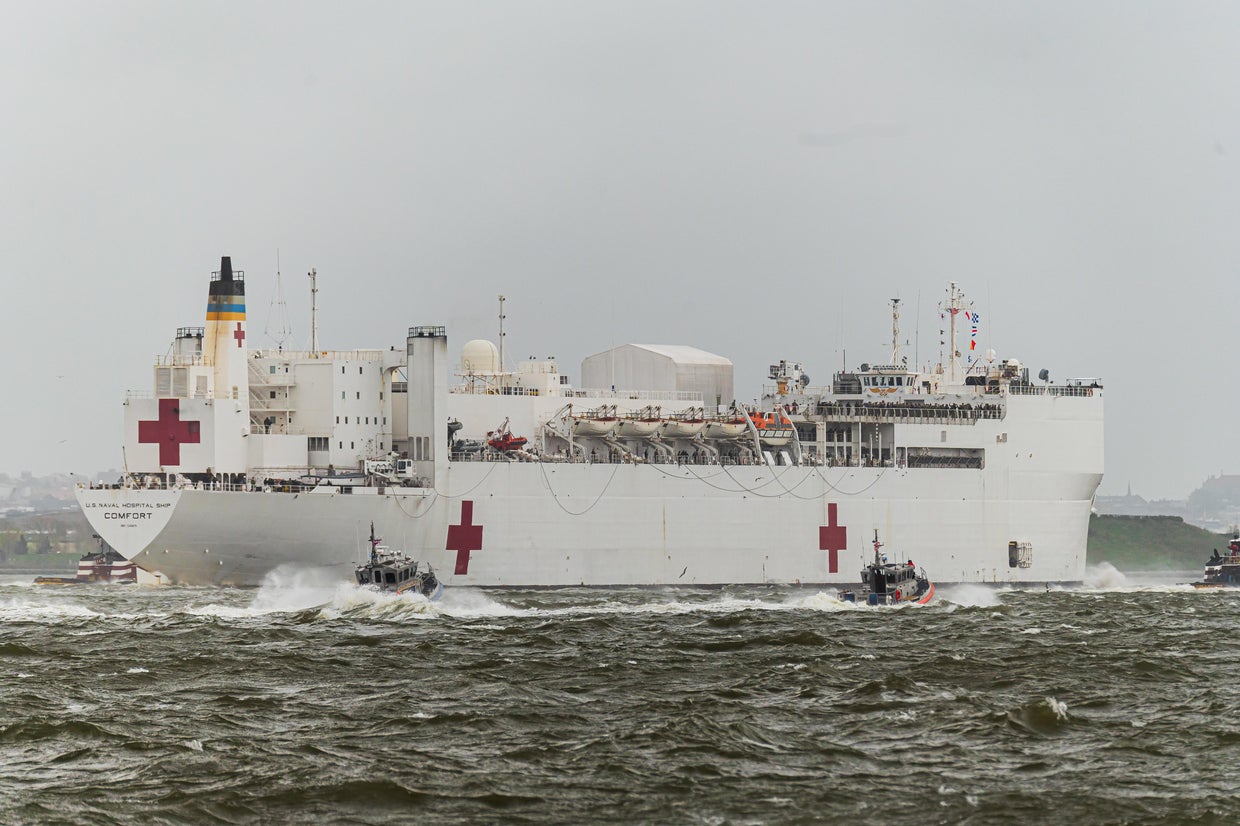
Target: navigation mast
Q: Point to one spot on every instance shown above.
(501, 332)
(314, 311)
(954, 305)
(895, 331)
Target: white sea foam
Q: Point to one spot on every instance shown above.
(1106, 576)
(351, 601)
(283, 590)
(970, 596)
(27, 607)
(1060, 708)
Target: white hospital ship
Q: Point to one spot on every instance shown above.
(244, 460)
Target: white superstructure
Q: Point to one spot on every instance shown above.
(243, 460)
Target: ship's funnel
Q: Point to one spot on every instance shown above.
(226, 268)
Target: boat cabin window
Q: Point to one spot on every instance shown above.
(391, 577)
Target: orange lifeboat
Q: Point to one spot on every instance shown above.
(501, 439)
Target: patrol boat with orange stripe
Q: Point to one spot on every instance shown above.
(891, 583)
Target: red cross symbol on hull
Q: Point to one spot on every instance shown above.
(464, 537)
(239, 334)
(832, 538)
(169, 432)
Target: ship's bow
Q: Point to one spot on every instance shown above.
(128, 519)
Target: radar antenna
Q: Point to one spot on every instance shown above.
(277, 313)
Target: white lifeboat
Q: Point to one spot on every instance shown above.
(594, 423)
(685, 427)
(728, 427)
(634, 427)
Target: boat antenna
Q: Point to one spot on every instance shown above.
(501, 332)
(374, 545)
(917, 333)
(314, 312)
(278, 312)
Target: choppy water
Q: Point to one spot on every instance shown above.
(300, 702)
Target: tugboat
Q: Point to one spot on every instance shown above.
(396, 573)
(1223, 570)
(890, 583)
(103, 565)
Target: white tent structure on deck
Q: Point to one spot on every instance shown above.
(661, 367)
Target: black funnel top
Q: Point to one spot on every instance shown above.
(226, 268)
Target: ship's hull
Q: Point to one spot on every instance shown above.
(526, 524)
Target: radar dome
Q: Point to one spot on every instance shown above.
(479, 356)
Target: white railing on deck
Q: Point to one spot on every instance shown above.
(320, 355)
(1050, 390)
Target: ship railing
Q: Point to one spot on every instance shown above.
(150, 394)
(772, 390)
(909, 413)
(267, 480)
(1051, 390)
(326, 355)
(281, 429)
(169, 360)
(479, 389)
(601, 458)
(650, 395)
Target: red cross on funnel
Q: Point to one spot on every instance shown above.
(832, 538)
(464, 537)
(239, 334)
(169, 432)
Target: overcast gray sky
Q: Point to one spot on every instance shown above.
(755, 179)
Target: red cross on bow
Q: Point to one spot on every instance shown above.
(832, 538)
(464, 537)
(239, 334)
(169, 432)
